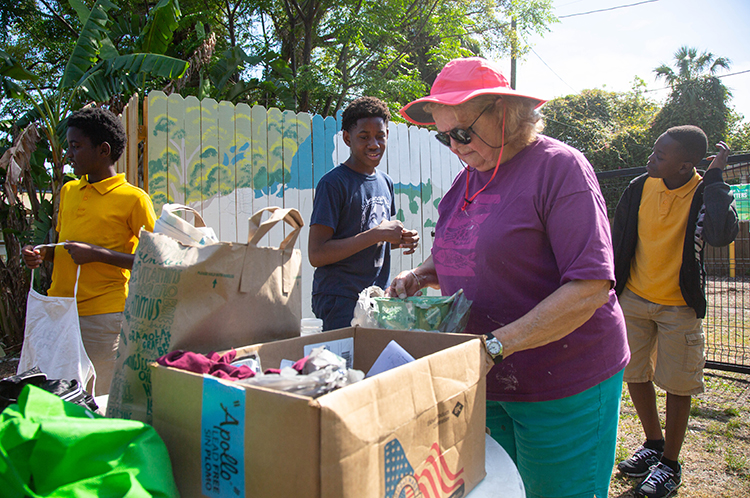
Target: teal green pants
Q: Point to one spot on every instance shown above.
(562, 448)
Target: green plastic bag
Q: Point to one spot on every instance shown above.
(53, 448)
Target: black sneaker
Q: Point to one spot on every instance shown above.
(640, 463)
(660, 483)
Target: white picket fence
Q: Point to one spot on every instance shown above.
(228, 161)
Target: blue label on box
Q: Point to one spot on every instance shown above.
(222, 440)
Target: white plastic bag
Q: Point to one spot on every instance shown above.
(366, 309)
(182, 231)
(52, 340)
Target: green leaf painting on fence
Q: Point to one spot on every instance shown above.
(201, 151)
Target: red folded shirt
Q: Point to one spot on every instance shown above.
(212, 363)
(215, 364)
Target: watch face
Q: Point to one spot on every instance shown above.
(493, 347)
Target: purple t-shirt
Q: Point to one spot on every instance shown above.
(542, 222)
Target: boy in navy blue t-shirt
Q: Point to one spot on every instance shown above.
(351, 230)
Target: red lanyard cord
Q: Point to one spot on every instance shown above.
(468, 200)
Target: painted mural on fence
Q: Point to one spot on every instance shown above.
(228, 161)
(205, 152)
(202, 150)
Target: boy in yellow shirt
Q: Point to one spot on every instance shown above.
(662, 221)
(99, 221)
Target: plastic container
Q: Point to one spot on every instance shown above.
(309, 326)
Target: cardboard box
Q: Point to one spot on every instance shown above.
(420, 426)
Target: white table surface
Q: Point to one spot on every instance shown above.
(502, 477)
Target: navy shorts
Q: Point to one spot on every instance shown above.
(335, 311)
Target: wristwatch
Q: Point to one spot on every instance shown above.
(494, 347)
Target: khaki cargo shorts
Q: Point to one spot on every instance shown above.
(101, 338)
(666, 345)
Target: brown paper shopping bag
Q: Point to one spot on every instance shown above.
(203, 299)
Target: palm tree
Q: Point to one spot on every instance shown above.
(697, 96)
(691, 66)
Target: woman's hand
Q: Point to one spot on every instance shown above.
(409, 282)
(404, 285)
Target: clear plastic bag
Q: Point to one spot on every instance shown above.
(323, 372)
(431, 313)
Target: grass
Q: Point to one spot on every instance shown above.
(716, 453)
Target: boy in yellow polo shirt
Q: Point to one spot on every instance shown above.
(662, 221)
(99, 221)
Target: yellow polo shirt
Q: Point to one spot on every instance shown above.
(662, 222)
(110, 214)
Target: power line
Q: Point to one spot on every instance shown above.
(605, 10)
(734, 74)
(553, 71)
(717, 76)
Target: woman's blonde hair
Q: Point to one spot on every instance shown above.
(522, 121)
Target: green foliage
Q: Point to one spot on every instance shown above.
(702, 102)
(336, 51)
(46, 33)
(157, 34)
(86, 50)
(93, 71)
(698, 97)
(610, 128)
(739, 138)
(691, 65)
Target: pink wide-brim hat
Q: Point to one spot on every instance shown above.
(460, 81)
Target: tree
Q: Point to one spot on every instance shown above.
(333, 51)
(611, 129)
(697, 95)
(739, 138)
(691, 65)
(94, 71)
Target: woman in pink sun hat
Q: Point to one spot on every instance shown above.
(524, 232)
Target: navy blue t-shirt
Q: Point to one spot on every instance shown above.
(351, 203)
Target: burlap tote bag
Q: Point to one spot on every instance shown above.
(203, 299)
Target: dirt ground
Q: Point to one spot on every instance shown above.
(716, 453)
(8, 366)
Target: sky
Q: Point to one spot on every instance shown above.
(607, 50)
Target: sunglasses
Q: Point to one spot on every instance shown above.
(460, 135)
